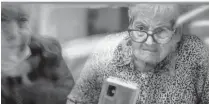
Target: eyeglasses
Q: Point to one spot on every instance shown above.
(159, 35)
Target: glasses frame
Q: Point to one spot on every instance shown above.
(152, 35)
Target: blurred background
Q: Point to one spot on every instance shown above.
(78, 27)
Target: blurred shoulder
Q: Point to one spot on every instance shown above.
(45, 44)
(45, 40)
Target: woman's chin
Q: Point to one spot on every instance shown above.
(150, 59)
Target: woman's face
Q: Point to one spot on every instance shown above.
(150, 51)
(15, 34)
(15, 25)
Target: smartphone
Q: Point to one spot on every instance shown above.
(118, 91)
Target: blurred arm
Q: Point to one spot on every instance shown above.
(55, 80)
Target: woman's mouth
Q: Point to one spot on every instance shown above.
(150, 49)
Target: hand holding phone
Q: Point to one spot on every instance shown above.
(118, 91)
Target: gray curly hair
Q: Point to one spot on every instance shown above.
(172, 11)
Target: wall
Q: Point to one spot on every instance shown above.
(63, 22)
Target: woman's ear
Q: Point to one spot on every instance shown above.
(178, 34)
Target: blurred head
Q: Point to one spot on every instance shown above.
(15, 33)
(151, 31)
(15, 23)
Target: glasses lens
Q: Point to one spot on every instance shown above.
(138, 36)
(163, 36)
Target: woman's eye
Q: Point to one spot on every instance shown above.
(22, 19)
(159, 30)
(141, 28)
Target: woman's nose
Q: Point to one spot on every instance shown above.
(12, 30)
(149, 40)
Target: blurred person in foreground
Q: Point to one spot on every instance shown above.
(32, 68)
(168, 66)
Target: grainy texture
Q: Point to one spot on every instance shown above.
(189, 84)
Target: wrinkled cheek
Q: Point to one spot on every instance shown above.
(159, 56)
(8, 41)
(139, 54)
(165, 50)
(136, 50)
(136, 46)
(136, 53)
(25, 36)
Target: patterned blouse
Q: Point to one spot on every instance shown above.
(189, 83)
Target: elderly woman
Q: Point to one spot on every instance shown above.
(32, 67)
(169, 67)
